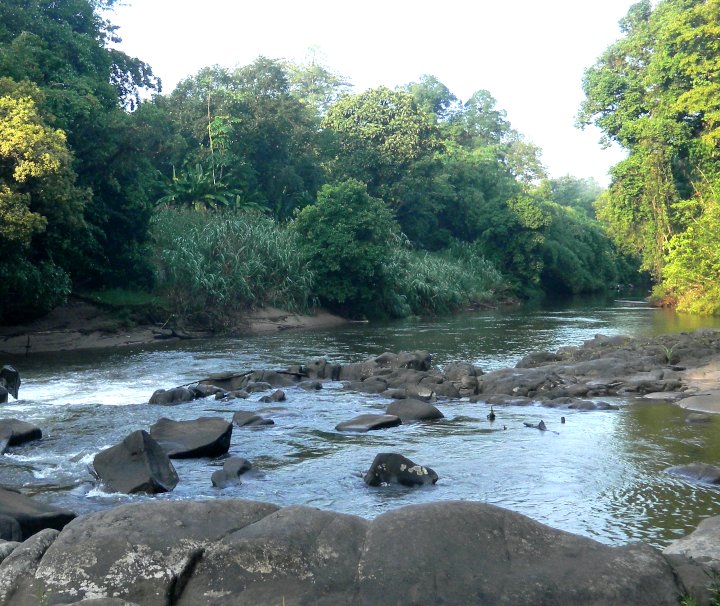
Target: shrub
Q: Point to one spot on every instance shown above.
(213, 264)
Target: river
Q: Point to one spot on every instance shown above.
(599, 475)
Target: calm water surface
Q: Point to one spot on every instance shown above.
(599, 475)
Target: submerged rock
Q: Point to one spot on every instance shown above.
(698, 472)
(364, 423)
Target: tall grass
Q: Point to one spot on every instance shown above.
(211, 265)
(426, 283)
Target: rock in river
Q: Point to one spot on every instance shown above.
(364, 423)
(414, 410)
(21, 516)
(203, 437)
(393, 468)
(137, 464)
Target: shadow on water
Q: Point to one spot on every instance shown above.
(601, 474)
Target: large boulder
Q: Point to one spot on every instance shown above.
(413, 410)
(370, 422)
(471, 553)
(393, 468)
(297, 555)
(14, 432)
(21, 516)
(143, 553)
(137, 464)
(203, 437)
(226, 552)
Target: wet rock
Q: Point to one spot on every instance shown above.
(244, 418)
(202, 390)
(14, 432)
(230, 473)
(369, 385)
(257, 386)
(274, 378)
(369, 422)
(168, 397)
(393, 468)
(697, 472)
(541, 425)
(9, 383)
(22, 517)
(228, 381)
(203, 437)
(310, 385)
(414, 410)
(137, 464)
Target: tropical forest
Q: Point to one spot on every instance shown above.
(276, 183)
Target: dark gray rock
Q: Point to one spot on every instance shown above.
(245, 418)
(203, 437)
(9, 382)
(228, 381)
(470, 553)
(274, 378)
(464, 376)
(310, 385)
(21, 565)
(254, 387)
(696, 472)
(297, 555)
(142, 553)
(168, 397)
(14, 432)
(22, 517)
(393, 468)
(7, 547)
(137, 464)
(370, 422)
(227, 552)
(231, 471)
(203, 390)
(414, 410)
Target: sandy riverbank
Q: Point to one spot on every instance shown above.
(82, 325)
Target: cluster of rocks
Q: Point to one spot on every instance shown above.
(322, 550)
(224, 552)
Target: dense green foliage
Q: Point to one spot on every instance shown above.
(656, 92)
(272, 183)
(213, 265)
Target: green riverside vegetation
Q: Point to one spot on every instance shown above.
(275, 184)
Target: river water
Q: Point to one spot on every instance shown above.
(599, 475)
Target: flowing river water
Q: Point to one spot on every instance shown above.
(599, 475)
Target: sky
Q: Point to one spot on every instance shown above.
(530, 54)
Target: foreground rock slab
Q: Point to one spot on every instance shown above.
(227, 552)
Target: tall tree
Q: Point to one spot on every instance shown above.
(655, 92)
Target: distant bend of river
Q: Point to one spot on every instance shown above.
(599, 475)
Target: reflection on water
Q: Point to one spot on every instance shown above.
(600, 474)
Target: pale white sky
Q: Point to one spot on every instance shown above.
(530, 54)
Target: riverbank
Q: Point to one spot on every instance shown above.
(80, 324)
